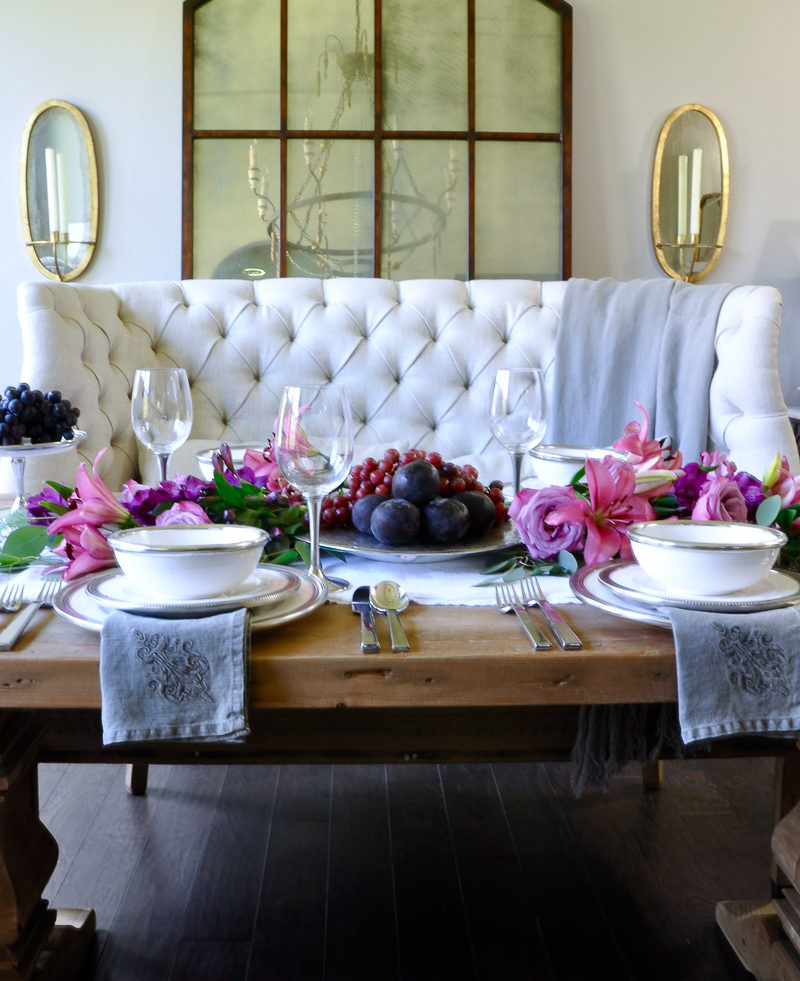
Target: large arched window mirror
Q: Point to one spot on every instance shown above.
(394, 138)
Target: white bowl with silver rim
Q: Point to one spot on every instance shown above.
(708, 557)
(205, 457)
(556, 465)
(188, 562)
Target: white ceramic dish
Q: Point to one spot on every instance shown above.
(587, 587)
(204, 457)
(627, 580)
(705, 557)
(75, 604)
(188, 562)
(556, 465)
(352, 542)
(268, 584)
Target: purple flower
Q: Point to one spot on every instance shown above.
(721, 500)
(689, 487)
(187, 488)
(752, 492)
(48, 495)
(183, 513)
(530, 509)
(140, 500)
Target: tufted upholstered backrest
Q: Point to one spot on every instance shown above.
(417, 358)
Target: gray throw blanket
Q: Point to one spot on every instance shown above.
(175, 679)
(649, 340)
(737, 673)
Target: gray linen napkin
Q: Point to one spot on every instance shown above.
(175, 679)
(737, 673)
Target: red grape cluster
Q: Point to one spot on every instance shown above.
(375, 477)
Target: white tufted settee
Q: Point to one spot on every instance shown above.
(417, 358)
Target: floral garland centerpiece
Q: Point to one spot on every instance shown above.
(587, 520)
(76, 522)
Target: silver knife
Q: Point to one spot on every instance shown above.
(361, 604)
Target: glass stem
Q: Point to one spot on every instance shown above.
(18, 467)
(314, 504)
(163, 460)
(516, 459)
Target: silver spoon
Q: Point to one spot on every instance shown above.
(390, 599)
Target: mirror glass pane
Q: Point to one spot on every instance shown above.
(69, 192)
(691, 131)
(518, 210)
(424, 64)
(231, 240)
(424, 209)
(237, 65)
(330, 208)
(517, 67)
(331, 65)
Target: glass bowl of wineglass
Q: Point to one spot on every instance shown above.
(314, 449)
(161, 411)
(518, 413)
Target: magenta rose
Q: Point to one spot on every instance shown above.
(183, 513)
(721, 500)
(529, 511)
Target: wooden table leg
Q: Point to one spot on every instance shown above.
(136, 778)
(787, 795)
(28, 855)
(652, 774)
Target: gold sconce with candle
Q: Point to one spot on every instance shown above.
(691, 180)
(58, 190)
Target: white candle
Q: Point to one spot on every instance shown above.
(683, 193)
(52, 188)
(694, 212)
(61, 182)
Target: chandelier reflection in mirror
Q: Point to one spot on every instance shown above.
(414, 221)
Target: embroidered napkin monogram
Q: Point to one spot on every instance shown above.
(175, 679)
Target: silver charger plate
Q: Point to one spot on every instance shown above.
(19, 450)
(75, 604)
(352, 542)
(587, 586)
(268, 584)
(627, 580)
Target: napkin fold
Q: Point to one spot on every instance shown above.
(737, 672)
(175, 679)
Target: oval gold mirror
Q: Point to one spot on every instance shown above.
(690, 193)
(58, 190)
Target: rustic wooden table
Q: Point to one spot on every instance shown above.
(470, 689)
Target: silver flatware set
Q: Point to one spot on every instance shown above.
(532, 595)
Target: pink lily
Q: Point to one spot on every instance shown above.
(722, 466)
(613, 505)
(646, 454)
(779, 480)
(260, 464)
(86, 549)
(98, 505)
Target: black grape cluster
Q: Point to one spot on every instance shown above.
(26, 413)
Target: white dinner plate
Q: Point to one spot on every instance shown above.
(75, 604)
(628, 580)
(268, 584)
(587, 586)
(352, 542)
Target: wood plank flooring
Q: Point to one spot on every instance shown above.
(408, 873)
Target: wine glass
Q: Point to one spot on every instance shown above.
(518, 414)
(161, 411)
(314, 449)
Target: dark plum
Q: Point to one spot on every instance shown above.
(445, 520)
(362, 511)
(481, 511)
(395, 522)
(417, 482)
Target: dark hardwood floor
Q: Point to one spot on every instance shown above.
(408, 872)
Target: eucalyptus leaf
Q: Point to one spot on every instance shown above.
(568, 562)
(768, 509)
(502, 566)
(513, 574)
(26, 542)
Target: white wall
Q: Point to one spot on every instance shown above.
(635, 61)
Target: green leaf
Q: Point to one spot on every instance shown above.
(768, 509)
(65, 492)
(513, 574)
(568, 562)
(230, 494)
(284, 558)
(26, 542)
(502, 566)
(304, 551)
(578, 477)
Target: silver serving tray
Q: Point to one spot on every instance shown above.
(352, 542)
(43, 449)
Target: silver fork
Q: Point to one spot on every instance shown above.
(507, 602)
(533, 595)
(13, 630)
(11, 598)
